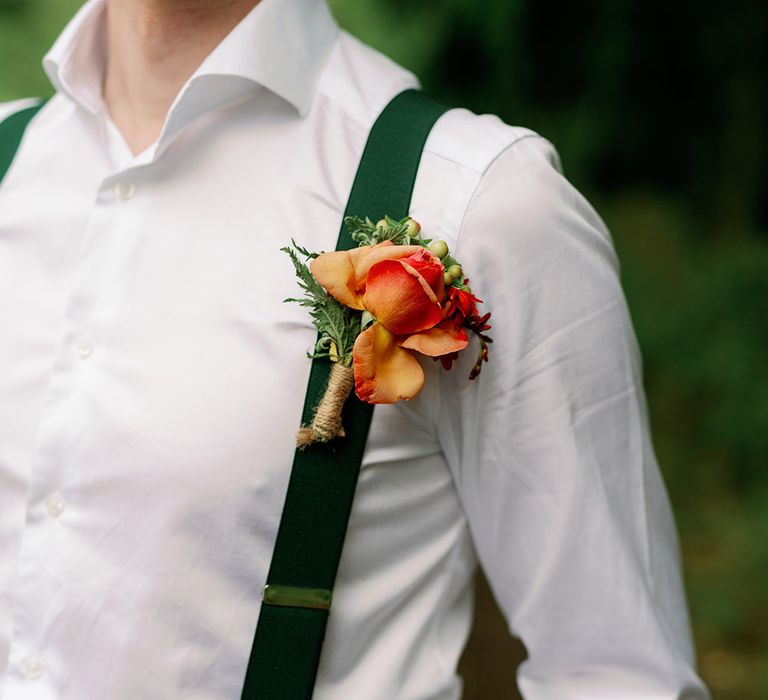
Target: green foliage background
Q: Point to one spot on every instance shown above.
(659, 111)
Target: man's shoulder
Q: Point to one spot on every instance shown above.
(475, 141)
(358, 81)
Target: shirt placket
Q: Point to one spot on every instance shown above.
(52, 534)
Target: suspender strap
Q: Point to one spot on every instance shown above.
(289, 635)
(11, 131)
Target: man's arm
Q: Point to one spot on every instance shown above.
(551, 452)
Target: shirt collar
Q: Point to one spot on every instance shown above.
(280, 45)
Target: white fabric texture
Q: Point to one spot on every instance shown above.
(152, 381)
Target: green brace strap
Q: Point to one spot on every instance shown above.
(296, 601)
(11, 132)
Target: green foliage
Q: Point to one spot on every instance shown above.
(338, 325)
(365, 232)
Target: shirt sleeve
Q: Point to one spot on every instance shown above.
(550, 447)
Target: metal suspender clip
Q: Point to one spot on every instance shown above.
(295, 597)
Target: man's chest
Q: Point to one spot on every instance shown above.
(147, 304)
(152, 380)
(148, 348)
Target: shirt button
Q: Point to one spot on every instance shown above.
(33, 668)
(125, 190)
(55, 505)
(82, 346)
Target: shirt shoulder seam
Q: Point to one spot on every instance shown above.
(470, 199)
(493, 156)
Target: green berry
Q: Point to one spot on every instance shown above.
(447, 278)
(455, 272)
(439, 248)
(412, 228)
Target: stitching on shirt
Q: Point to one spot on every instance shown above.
(471, 198)
(500, 146)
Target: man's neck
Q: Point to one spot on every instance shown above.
(154, 46)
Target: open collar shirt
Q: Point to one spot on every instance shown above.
(152, 379)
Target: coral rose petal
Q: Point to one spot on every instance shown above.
(343, 273)
(430, 268)
(386, 250)
(384, 372)
(336, 274)
(437, 341)
(400, 298)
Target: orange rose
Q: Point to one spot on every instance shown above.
(402, 288)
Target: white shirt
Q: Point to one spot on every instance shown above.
(152, 381)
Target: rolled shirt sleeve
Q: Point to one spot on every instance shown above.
(550, 447)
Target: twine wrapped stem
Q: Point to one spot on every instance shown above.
(326, 425)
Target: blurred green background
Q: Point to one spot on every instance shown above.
(659, 111)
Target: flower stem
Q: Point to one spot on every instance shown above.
(326, 425)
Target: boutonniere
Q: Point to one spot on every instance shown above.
(376, 308)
